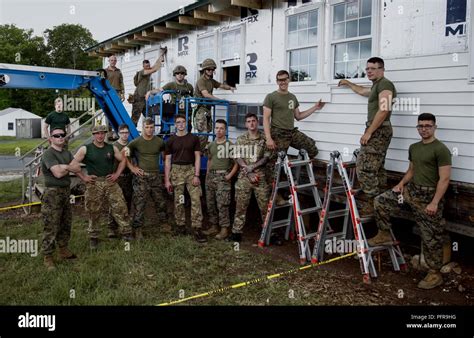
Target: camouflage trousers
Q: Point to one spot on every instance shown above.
(416, 198)
(181, 177)
(151, 184)
(103, 193)
(218, 191)
(125, 183)
(371, 160)
(138, 108)
(57, 218)
(284, 138)
(203, 124)
(243, 193)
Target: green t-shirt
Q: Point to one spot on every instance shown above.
(99, 161)
(206, 84)
(426, 159)
(283, 107)
(147, 152)
(52, 157)
(220, 155)
(184, 89)
(57, 120)
(143, 84)
(373, 106)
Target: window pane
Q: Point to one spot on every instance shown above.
(351, 29)
(304, 57)
(293, 39)
(312, 56)
(303, 21)
(313, 35)
(312, 73)
(366, 7)
(353, 50)
(339, 13)
(340, 51)
(365, 49)
(362, 68)
(313, 19)
(294, 58)
(352, 10)
(292, 20)
(352, 69)
(338, 32)
(305, 74)
(339, 70)
(364, 26)
(302, 37)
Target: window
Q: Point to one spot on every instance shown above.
(10, 125)
(205, 48)
(230, 57)
(302, 42)
(237, 114)
(351, 36)
(230, 45)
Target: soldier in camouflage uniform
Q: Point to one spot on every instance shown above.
(101, 184)
(251, 154)
(422, 190)
(220, 170)
(56, 164)
(146, 149)
(142, 83)
(124, 181)
(378, 133)
(204, 88)
(182, 171)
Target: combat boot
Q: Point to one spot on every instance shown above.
(280, 201)
(137, 234)
(213, 230)
(199, 236)
(431, 280)
(49, 263)
(113, 234)
(94, 243)
(65, 253)
(223, 234)
(383, 237)
(235, 238)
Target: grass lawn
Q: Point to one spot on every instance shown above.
(10, 191)
(9, 145)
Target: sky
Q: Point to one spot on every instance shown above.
(104, 18)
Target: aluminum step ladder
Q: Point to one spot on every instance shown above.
(294, 220)
(351, 214)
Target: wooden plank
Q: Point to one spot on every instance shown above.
(124, 44)
(140, 37)
(177, 26)
(116, 46)
(163, 30)
(224, 8)
(187, 20)
(255, 4)
(204, 15)
(154, 35)
(131, 40)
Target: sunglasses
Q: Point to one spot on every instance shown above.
(213, 69)
(180, 73)
(59, 135)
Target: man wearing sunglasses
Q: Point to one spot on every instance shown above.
(422, 190)
(56, 164)
(101, 184)
(204, 88)
(378, 132)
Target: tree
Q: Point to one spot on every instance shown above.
(66, 44)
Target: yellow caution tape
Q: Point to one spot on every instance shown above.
(255, 281)
(28, 204)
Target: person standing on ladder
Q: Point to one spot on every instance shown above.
(142, 82)
(204, 88)
(252, 155)
(280, 109)
(422, 189)
(378, 133)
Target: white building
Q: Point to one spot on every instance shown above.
(12, 118)
(425, 45)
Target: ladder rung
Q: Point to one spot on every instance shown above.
(304, 186)
(284, 184)
(350, 164)
(298, 163)
(337, 213)
(286, 205)
(309, 210)
(367, 219)
(279, 224)
(338, 190)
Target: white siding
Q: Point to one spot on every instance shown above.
(423, 63)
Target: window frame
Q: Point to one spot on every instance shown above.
(306, 8)
(374, 36)
(205, 35)
(225, 63)
(12, 124)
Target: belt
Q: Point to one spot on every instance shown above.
(58, 188)
(422, 188)
(125, 175)
(183, 165)
(384, 123)
(101, 178)
(150, 173)
(218, 171)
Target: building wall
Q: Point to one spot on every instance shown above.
(427, 66)
(11, 118)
